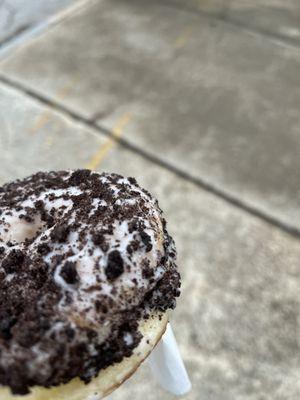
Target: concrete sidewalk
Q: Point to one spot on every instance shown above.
(200, 103)
(19, 16)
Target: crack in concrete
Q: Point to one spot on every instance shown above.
(16, 33)
(199, 182)
(28, 30)
(224, 16)
(10, 20)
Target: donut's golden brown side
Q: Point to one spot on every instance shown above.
(108, 379)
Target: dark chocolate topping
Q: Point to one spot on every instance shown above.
(83, 258)
(115, 265)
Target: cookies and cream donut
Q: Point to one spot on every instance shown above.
(87, 274)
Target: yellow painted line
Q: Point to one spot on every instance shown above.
(183, 38)
(49, 141)
(46, 115)
(118, 129)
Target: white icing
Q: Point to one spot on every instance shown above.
(90, 260)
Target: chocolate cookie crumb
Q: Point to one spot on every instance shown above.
(99, 240)
(12, 263)
(60, 233)
(79, 176)
(69, 273)
(115, 265)
(146, 239)
(43, 249)
(6, 323)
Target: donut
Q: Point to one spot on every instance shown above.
(87, 276)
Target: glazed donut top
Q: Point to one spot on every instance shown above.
(83, 257)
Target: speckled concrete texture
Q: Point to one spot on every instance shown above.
(209, 99)
(276, 18)
(18, 16)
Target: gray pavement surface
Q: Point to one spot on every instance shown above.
(276, 18)
(18, 16)
(218, 105)
(216, 102)
(281, 18)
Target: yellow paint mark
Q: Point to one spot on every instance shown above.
(41, 121)
(183, 38)
(49, 141)
(46, 115)
(110, 142)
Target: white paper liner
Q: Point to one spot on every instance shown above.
(167, 365)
